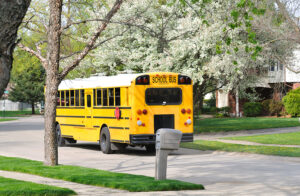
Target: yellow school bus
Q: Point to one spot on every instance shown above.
(125, 109)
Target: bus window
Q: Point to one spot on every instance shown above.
(163, 96)
(81, 97)
(62, 94)
(98, 97)
(111, 96)
(77, 97)
(72, 97)
(88, 101)
(105, 97)
(117, 97)
(58, 99)
(95, 96)
(67, 98)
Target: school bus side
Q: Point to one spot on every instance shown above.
(80, 122)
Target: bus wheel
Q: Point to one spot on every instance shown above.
(150, 148)
(60, 140)
(105, 141)
(71, 140)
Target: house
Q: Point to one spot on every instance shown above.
(280, 79)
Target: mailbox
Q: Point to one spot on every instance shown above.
(168, 139)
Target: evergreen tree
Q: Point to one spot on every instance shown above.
(28, 80)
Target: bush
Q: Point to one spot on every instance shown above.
(266, 106)
(252, 109)
(292, 102)
(276, 107)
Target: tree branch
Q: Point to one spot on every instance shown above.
(93, 39)
(35, 53)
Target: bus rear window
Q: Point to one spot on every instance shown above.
(163, 96)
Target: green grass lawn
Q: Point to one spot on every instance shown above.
(12, 187)
(236, 124)
(96, 177)
(6, 119)
(220, 146)
(16, 113)
(281, 138)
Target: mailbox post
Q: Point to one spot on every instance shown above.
(167, 140)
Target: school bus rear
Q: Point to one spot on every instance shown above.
(160, 100)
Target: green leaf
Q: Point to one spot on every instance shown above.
(235, 15)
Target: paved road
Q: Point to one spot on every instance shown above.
(221, 173)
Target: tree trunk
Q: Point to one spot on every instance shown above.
(12, 13)
(52, 82)
(32, 108)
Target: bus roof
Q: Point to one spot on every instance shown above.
(98, 81)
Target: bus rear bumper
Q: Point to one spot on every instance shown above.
(146, 139)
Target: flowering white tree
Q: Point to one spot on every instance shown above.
(215, 48)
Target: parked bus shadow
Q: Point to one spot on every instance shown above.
(137, 151)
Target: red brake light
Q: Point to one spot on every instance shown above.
(183, 111)
(184, 80)
(142, 80)
(188, 111)
(145, 111)
(139, 112)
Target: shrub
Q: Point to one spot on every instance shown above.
(220, 115)
(276, 107)
(252, 108)
(292, 102)
(266, 106)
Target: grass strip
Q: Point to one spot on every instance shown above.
(14, 187)
(237, 124)
(7, 119)
(83, 175)
(280, 138)
(16, 113)
(220, 146)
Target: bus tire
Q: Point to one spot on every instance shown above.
(105, 141)
(71, 140)
(150, 148)
(60, 140)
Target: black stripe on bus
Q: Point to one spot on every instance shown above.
(71, 116)
(126, 118)
(111, 107)
(106, 117)
(118, 141)
(119, 127)
(67, 136)
(63, 107)
(72, 125)
(89, 117)
(96, 126)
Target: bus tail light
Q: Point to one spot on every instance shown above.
(188, 122)
(139, 112)
(184, 79)
(142, 80)
(188, 111)
(183, 111)
(145, 111)
(139, 123)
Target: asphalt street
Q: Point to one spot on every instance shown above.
(221, 173)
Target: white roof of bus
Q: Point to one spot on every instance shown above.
(98, 81)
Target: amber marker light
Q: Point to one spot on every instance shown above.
(139, 112)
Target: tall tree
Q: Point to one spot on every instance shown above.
(54, 72)
(27, 79)
(11, 15)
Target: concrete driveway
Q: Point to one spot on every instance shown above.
(221, 173)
